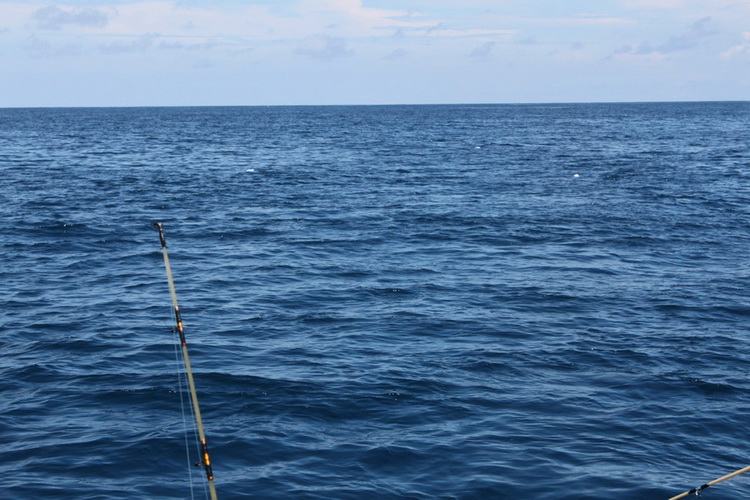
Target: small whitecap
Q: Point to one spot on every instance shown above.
(250, 170)
(576, 175)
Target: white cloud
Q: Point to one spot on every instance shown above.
(254, 22)
(452, 33)
(443, 30)
(173, 19)
(593, 20)
(739, 50)
(416, 43)
(655, 4)
(351, 18)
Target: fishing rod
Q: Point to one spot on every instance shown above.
(205, 460)
(711, 483)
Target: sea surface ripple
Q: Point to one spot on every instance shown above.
(402, 302)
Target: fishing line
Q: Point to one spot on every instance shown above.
(205, 460)
(188, 428)
(698, 489)
(180, 387)
(182, 377)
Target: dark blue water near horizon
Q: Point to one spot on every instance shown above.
(401, 302)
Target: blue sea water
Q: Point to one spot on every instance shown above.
(397, 302)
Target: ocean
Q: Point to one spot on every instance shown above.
(380, 302)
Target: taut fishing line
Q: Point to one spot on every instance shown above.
(181, 384)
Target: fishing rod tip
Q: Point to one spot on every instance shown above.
(159, 228)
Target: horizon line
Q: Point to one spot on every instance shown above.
(529, 103)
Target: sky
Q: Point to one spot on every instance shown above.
(310, 52)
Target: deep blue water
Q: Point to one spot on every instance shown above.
(403, 302)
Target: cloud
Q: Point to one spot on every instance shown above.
(642, 49)
(482, 50)
(698, 30)
(55, 18)
(739, 50)
(587, 20)
(323, 47)
(656, 4)
(235, 23)
(351, 19)
(443, 31)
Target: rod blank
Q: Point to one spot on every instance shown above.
(711, 483)
(205, 459)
